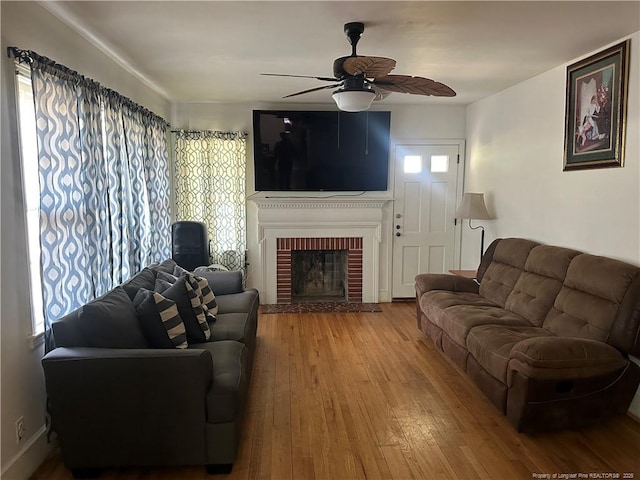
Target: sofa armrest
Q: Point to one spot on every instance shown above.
(563, 358)
(223, 283)
(441, 281)
(108, 404)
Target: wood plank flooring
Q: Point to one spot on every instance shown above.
(366, 395)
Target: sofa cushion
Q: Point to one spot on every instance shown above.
(458, 321)
(588, 301)
(225, 398)
(144, 279)
(435, 302)
(564, 358)
(246, 301)
(491, 346)
(537, 287)
(111, 322)
(231, 326)
(509, 259)
(160, 321)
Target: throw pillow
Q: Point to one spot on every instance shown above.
(167, 277)
(179, 271)
(111, 322)
(161, 285)
(208, 298)
(145, 279)
(199, 309)
(198, 283)
(160, 321)
(166, 266)
(178, 293)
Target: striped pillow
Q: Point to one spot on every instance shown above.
(197, 306)
(208, 298)
(159, 319)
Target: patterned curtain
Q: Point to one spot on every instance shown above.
(104, 186)
(209, 179)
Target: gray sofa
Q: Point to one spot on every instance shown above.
(545, 332)
(116, 399)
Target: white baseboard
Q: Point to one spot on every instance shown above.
(24, 463)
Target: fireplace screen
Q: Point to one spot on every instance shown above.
(319, 276)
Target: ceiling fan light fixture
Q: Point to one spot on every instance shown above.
(353, 100)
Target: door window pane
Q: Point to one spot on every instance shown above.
(412, 164)
(439, 163)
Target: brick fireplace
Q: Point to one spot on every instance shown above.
(286, 225)
(285, 247)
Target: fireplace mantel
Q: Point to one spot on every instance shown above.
(341, 201)
(326, 217)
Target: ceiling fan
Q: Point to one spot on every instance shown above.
(363, 79)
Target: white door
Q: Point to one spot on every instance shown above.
(427, 190)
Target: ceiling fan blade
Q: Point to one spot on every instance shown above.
(313, 90)
(413, 85)
(324, 79)
(371, 67)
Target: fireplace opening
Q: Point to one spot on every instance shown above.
(319, 276)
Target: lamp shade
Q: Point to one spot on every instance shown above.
(473, 207)
(353, 100)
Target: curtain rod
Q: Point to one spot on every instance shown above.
(32, 58)
(214, 132)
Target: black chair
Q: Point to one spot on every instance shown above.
(190, 244)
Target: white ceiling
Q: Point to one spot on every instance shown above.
(210, 51)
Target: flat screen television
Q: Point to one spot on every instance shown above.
(321, 150)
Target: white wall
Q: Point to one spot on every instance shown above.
(27, 25)
(515, 142)
(407, 123)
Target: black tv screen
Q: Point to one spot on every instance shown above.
(321, 151)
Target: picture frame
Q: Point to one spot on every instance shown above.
(596, 109)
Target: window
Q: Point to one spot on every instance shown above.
(439, 163)
(210, 166)
(95, 216)
(31, 191)
(412, 164)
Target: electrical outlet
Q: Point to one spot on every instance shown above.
(20, 429)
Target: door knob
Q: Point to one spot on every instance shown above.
(397, 234)
(397, 227)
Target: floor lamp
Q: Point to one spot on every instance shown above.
(473, 208)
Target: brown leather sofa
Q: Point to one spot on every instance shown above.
(545, 332)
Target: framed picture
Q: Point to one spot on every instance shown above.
(596, 108)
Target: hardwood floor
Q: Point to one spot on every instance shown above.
(366, 395)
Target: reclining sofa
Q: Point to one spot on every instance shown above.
(121, 392)
(545, 332)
